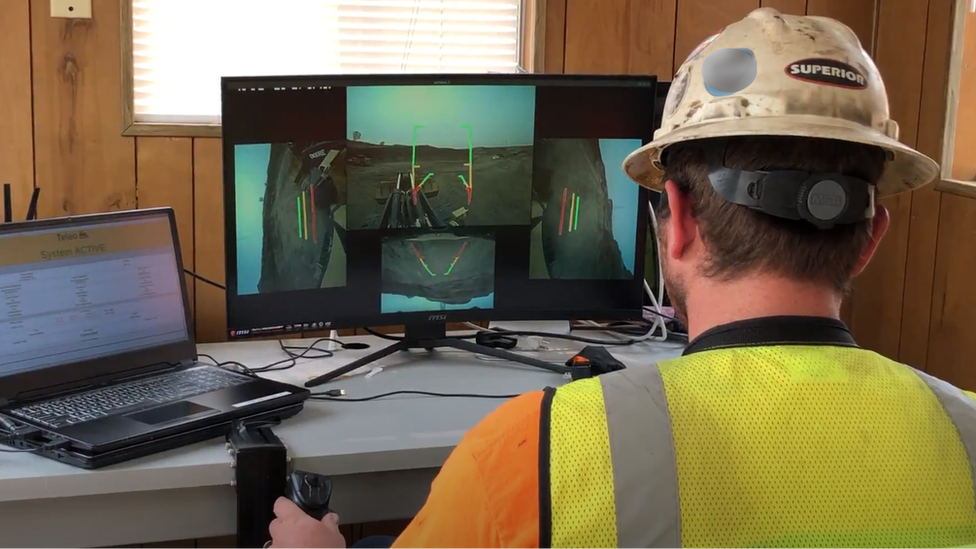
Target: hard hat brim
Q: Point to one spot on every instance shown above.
(906, 170)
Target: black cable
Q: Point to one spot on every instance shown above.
(18, 450)
(635, 329)
(204, 279)
(26, 450)
(662, 315)
(373, 332)
(290, 352)
(335, 395)
(276, 366)
(48, 446)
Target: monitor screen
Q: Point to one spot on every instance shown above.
(81, 290)
(364, 201)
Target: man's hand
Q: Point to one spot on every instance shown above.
(293, 528)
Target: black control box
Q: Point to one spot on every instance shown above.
(261, 473)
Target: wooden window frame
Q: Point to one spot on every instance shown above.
(954, 90)
(531, 54)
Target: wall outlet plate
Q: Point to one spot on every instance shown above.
(71, 9)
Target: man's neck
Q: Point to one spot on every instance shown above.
(713, 305)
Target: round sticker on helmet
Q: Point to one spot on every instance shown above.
(827, 72)
(729, 71)
(698, 49)
(677, 92)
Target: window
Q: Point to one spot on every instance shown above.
(959, 140)
(181, 48)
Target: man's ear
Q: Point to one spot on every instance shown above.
(879, 226)
(682, 228)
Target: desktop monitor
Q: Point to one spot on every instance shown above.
(418, 200)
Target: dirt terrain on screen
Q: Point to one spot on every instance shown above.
(500, 183)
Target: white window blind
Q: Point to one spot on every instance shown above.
(181, 48)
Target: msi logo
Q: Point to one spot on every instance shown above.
(433, 318)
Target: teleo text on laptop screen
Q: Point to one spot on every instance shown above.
(89, 290)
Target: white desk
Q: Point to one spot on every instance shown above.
(382, 455)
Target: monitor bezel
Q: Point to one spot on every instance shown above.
(244, 330)
(44, 381)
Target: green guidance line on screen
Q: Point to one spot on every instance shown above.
(298, 202)
(576, 215)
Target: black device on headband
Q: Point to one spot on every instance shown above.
(821, 199)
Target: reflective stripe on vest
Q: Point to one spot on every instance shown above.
(962, 409)
(614, 478)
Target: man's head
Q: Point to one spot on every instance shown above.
(707, 241)
(809, 98)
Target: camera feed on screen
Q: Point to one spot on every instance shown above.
(291, 209)
(584, 210)
(437, 272)
(439, 156)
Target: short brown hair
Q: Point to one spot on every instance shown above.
(741, 241)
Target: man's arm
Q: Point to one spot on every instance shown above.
(487, 492)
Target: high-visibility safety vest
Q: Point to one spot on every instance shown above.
(772, 433)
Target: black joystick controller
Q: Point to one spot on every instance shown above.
(310, 492)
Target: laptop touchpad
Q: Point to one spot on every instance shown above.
(170, 412)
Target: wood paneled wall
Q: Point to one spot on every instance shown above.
(60, 128)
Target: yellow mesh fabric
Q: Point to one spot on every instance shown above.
(971, 395)
(581, 474)
(796, 446)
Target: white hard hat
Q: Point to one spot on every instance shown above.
(794, 76)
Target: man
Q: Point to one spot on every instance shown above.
(773, 428)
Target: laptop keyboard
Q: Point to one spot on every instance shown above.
(129, 396)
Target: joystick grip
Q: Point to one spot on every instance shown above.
(310, 492)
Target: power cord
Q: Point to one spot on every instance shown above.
(205, 280)
(337, 395)
(293, 352)
(48, 446)
(637, 330)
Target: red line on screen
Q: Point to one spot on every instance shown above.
(562, 211)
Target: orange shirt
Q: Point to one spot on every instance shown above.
(487, 492)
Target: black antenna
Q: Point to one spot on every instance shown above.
(8, 204)
(32, 209)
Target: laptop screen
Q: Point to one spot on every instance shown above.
(86, 290)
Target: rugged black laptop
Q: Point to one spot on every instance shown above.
(97, 354)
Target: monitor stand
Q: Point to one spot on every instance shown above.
(430, 337)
